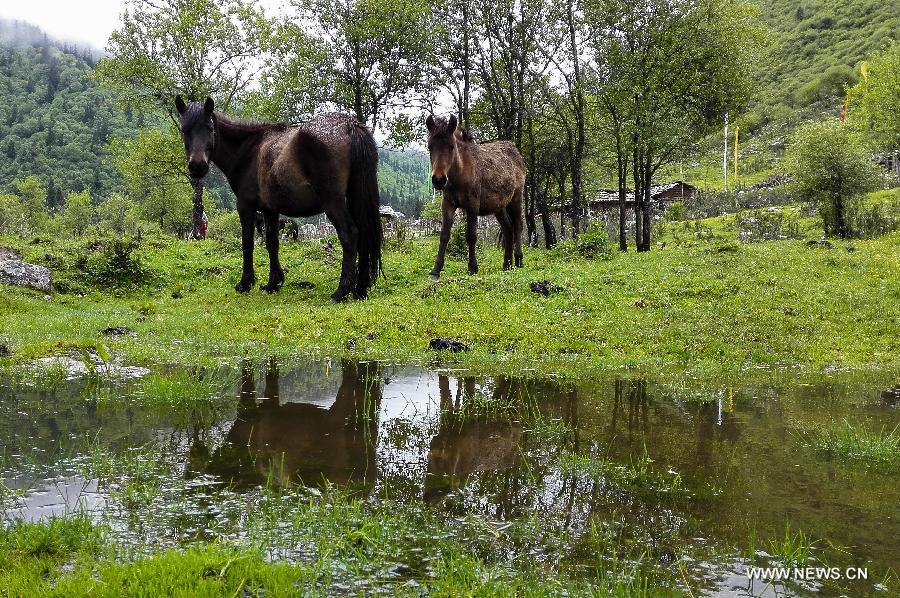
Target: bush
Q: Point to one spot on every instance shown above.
(225, 226)
(767, 225)
(594, 243)
(457, 248)
(115, 267)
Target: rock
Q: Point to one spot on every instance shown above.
(176, 295)
(118, 331)
(7, 254)
(544, 287)
(23, 274)
(446, 344)
(302, 284)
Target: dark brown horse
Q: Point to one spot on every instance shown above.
(328, 165)
(480, 179)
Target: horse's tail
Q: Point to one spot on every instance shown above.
(362, 194)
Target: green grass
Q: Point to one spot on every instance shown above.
(393, 548)
(703, 303)
(856, 444)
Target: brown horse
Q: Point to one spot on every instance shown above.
(327, 164)
(480, 179)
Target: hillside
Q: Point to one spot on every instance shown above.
(55, 123)
(820, 44)
(817, 47)
(404, 180)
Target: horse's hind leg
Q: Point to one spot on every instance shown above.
(248, 276)
(514, 209)
(506, 233)
(276, 274)
(348, 234)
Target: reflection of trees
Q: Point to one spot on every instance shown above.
(293, 441)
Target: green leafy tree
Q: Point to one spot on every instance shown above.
(12, 215)
(673, 69)
(875, 100)
(376, 51)
(196, 48)
(116, 214)
(832, 169)
(33, 198)
(77, 213)
(148, 165)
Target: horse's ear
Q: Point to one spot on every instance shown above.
(429, 122)
(451, 124)
(180, 105)
(209, 106)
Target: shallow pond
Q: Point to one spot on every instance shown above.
(696, 481)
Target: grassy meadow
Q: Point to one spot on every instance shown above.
(701, 302)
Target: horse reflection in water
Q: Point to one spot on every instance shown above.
(284, 441)
(464, 446)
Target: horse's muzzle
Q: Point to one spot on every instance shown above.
(438, 182)
(198, 169)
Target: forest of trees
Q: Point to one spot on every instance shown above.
(595, 93)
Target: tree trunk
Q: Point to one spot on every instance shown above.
(197, 184)
(578, 110)
(647, 213)
(636, 164)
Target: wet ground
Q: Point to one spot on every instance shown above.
(699, 480)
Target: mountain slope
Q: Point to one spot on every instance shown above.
(54, 122)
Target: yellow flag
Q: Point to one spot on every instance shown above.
(864, 71)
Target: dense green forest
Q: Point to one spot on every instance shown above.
(54, 123)
(404, 180)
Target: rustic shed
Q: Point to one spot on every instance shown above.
(662, 197)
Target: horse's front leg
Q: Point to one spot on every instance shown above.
(447, 212)
(248, 276)
(348, 234)
(472, 238)
(276, 274)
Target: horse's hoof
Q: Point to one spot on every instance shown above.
(434, 276)
(269, 289)
(473, 271)
(243, 287)
(339, 297)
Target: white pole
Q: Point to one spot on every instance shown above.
(725, 155)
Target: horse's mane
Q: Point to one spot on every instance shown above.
(194, 113)
(466, 135)
(249, 126)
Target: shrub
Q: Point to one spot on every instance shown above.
(767, 225)
(225, 226)
(594, 243)
(457, 248)
(115, 267)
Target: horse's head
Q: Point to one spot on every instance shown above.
(198, 131)
(442, 148)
